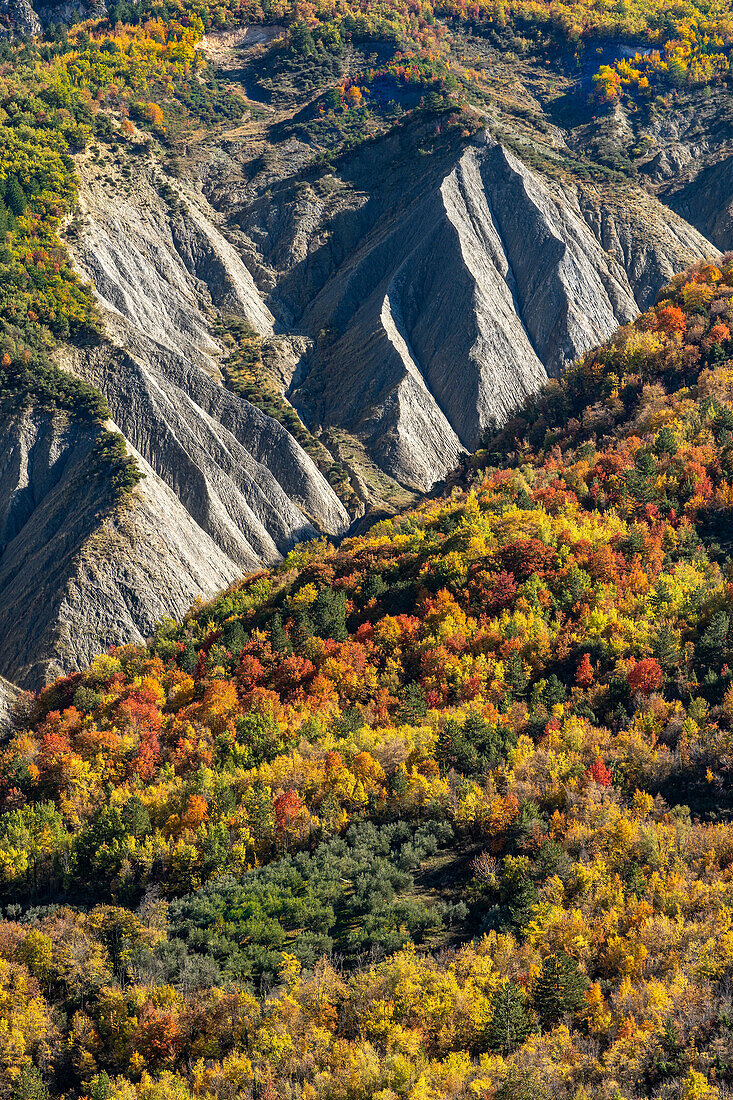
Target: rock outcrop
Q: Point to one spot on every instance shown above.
(240, 475)
(157, 274)
(227, 488)
(453, 307)
(18, 17)
(8, 696)
(686, 157)
(160, 263)
(76, 574)
(707, 202)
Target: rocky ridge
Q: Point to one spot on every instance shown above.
(75, 575)
(437, 302)
(226, 488)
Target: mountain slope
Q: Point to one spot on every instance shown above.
(76, 574)
(444, 314)
(300, 309)
(443, 811)
(445, 321)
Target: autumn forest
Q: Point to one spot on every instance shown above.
(442, 811)
(439, 811)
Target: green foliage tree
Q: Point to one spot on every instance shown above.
(666, 647)
(511, 1021)
(30, 1085)
(560, 988)
(15, 199)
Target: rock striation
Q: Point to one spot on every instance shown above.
(453, 307)
(239, 473)
(707, 202)
(8, 695)
(227, 488)
(77, 575)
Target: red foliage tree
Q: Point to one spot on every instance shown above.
(502, 592)
(599, 773)
(646, 676)
(523, 557)
(158, 1038)
(671, 320)
(584, 674)
(287, 808)
(250, 673)
(293, 674)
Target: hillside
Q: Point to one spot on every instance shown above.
(286, 252)
(442, 811)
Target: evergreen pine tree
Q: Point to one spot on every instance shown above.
(278, 636)
(444, 753)
(328, 613)
(676, 71)
(29, 1085)
(554, 692)
(518, 893)
(301, 631)
(511, 1022)
(514, 673)
(665, 443)
(189, 658)
(666, 647)
(235, 637)
(15, 199)
(413, 704)
(713, 642)
(100, 1087)
(560, 988)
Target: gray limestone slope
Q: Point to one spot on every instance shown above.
(707, 201)
(649, 241)
(162, 264)
(157, 275)
(204, 442)
(227, 489)
(448, 313)
(76, 573)
(8, 696)
(687, 159)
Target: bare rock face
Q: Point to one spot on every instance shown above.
(707, 202)
(70, 11)
(239, 473)
(8, 695)
(688, 161)
(146, 560)
(19, 17)
(76, 574)
(423, 306)
(162, 266)
(227, 488)
(448, 312)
